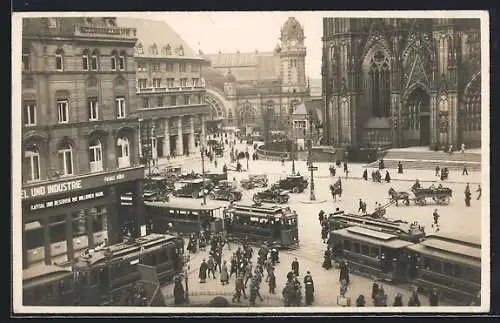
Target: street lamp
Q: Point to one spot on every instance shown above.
(312, 196)
(202, 151)
(293, 148)
(247, 156)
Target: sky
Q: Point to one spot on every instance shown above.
(245, 32)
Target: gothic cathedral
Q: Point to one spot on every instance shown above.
(401, 82)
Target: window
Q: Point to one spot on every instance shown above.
(140, 49)
(85, 62)
(79, 223)
(93, 109)
(121, 62)
(195, 67)
(95, 155)
(183, 82)
(52, 22)
(187, 99)
(159, 101)
(156, 67)
(145, 103)
(141, 66)
(170, 82)
(66, 160)
(26, 59)
(347, 245)
(169, 67)
(59, 61)
(196, 81)
(182, 67)
(123, 152)
(156, 82)
(94, 61)
(32, 163)
(62, 111)
(120, 107)
(113, 62)
(142, 83)
(29, 113)
(100, 219)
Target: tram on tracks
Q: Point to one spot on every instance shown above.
(48, 285)
(449, 264)
(103, 276)
(183, 217)
(258, 223)
(412, 232)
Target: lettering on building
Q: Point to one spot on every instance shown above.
(66, 201)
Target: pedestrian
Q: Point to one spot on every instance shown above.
(387, 177)
(345, 167)
(437, 171)
(203, 271)
(309, 288)
(272, 280)
(462, 148)
(400, 168)
(478, 191)
(324, 233)
(224, 276)
(346, 173)
(365, 174)
(327, 261)
(211, 266)
(467, 195)
(234, 266)
(464, 171)
(374, 290)
(295, 267)
(398, 300)
(360, 301)
(434, 297)
(343, 287)
(239, 288)
(414, 300)
(344, 272)
(321, 216)
(435, 215)
(380, 298)
(179, 295)
(360, 205)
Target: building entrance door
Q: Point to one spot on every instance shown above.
(425, 130)
(418, 114)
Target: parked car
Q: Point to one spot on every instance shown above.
(225, 190)
(215, 177)
(295, 183)
(271, 195)
(190, 187)
(254, 180)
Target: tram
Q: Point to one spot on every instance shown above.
(48, 285)
(451, 265)
(183, 216)
(406, 231)
(258, 223)
(104, 275)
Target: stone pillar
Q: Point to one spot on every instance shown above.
(192, 148)
(90, 226)
(454, 120)
(69, 237)
(203, 139)
(166, 139)
(46, 241)
(434, 124)
(114, 230)
(179, 146)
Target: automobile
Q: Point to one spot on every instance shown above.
(190, 187)
(271, 195)
(215, 177)
(187, 176)
(254, 180)
(157, 187)
(295, 183)
(225, 190)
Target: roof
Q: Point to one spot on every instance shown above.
(435, 242)
(443, 255)
(377, 123)
(151, 32)
(182, 204)
(42, 270)
(372, 237)
(292, 28)
(464, 238)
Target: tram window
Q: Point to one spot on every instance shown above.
(456, 271)
(28, 296)
(347, 245)
(150, 260)
(436, 266)
(374, 252)
(94, 278)
(365, 250)
(447, 268)
(357, 247)
(63, 285)
(117, 270)
(49, 291)
(427, 263)
(471, 274)
(38, 293)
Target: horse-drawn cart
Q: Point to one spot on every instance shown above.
(440, 195)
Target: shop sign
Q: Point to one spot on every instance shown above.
(82, 183)
(66, 201)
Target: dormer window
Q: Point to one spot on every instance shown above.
(52, 22)
(180, 51)
(140, 49)
(167, 50)
(88, 21)
(153, 50)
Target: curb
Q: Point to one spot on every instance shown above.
(312, 202)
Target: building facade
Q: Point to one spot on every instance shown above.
(244, 88)
(401, 82)
(170, 91)
(79, 136)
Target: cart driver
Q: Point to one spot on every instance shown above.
(416, 185)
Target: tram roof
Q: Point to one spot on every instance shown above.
(124, 250)
(465, 239)
(39, 274)
(444, 255)
(185, 205)
(366, 220)
(459, 248)
(373, 237)
(262, 208)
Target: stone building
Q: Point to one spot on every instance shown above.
(242, 88)
(170, 90)
(79, 136)
(401, 82)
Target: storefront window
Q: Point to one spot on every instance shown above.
(100, 219)
(58, 228)
(79, 223)
(33, 235)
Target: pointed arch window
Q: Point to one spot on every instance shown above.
(379, 84)
(95, 156)
(65, 153)
(32, 163)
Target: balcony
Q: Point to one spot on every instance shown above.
(165, 89)
(105, 32)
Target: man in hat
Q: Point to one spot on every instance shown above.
(203, 271)
(295, 267)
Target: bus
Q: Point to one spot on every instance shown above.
(258, 223)
(48, 285)
(184, 216)
(104, 275)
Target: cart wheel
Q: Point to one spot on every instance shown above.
(295, 189)
(195, 194)
(174, 193)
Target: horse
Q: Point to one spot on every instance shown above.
(396, 196)
(336, 189)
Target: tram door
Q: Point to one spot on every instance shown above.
(104, 282)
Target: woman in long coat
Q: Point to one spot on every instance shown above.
(203, 271)
(178, 291)
(224, 276)
(344, 272)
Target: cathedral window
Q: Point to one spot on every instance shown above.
(379, 74)
(472, 111)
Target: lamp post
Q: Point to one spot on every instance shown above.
(202, 151)
(247, 156)
(293, 149)
(312, 196)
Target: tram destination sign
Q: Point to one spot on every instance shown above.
(66, 201)
(85, 182)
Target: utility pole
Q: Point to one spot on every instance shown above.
(312, 168)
